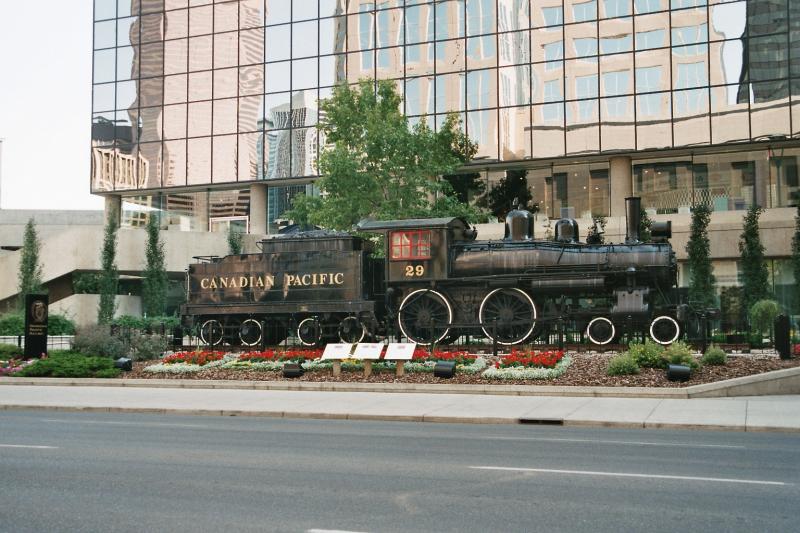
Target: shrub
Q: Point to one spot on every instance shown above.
(71, 365)
(97, 340)
(714, 356)
(8, 351)
(679, 353)
(145, 347)
(152, 323)
(60, 325)
(763, 314)
(14, 324)
(621, 365)
(649, 354)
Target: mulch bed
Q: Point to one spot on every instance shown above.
(587, 369)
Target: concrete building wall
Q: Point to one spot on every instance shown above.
(82, 308)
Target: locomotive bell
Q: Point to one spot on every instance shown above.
(567, 230)
(519, 224)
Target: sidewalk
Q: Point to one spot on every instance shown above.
(764, 413)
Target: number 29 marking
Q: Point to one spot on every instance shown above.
(415, 271)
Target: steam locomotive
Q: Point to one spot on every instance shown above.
(438, 282)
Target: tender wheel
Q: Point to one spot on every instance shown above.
(351, 330)
(250, 332)
(664, 329)
(211, 332)
(425, 316)
(514, 312)
(309, 331)
(601, 330)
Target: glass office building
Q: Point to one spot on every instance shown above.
(197, 103)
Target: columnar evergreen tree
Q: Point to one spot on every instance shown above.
(154, 284)
(702, 292)
(234, 241)
(109, 277)
(30, 271)
(755, 278)
(796, 257)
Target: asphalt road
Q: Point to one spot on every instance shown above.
(133, 472)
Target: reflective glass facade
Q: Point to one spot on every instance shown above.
(222, 94)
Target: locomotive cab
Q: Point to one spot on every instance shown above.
(417, 249)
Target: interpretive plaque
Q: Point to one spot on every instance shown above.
(400, 351)
(368, 350)
(337, 351)
(36, 325)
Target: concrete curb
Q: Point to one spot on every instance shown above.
(438, 419)
(426, 388)
(785, 381)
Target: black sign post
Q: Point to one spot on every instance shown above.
(36, 325)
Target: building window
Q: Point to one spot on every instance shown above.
(584, 11)
(411, 245)
(617, 8)
(645, 40)
(647, 6)
(613, 45)
(585, 47)
(553, 16)
(678, 4)
(553, 52)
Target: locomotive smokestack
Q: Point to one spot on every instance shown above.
(633, 214)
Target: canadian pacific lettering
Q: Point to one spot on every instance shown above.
(267, 281)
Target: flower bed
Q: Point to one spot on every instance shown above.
(529, 365)
(12, 366)
(271, 360)
(188, 362)
(423, 361)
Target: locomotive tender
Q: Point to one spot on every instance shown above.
(438, 282)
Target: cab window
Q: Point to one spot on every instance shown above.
(410, 244)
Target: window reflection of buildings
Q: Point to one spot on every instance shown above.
(530, 80)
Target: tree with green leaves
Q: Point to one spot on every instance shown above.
(30, 271)
(755, 278)
(596, 233)
(514, 186)
(702, 292)
(234, 241)
(796, 257)
(645, 223)
(376, 166)
(154, 284)
(109, 277)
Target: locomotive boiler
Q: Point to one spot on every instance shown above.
(438, 282)
(445, 281)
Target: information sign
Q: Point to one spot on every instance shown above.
(337, 351)
(400, 351)
(36, 325)
(368, 350)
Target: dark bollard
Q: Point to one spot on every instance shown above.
(678, 373)
(444, 369)
(292, 370)
(124, 363)
(783, 338)
(560, 332)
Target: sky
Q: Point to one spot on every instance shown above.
(45, 104)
